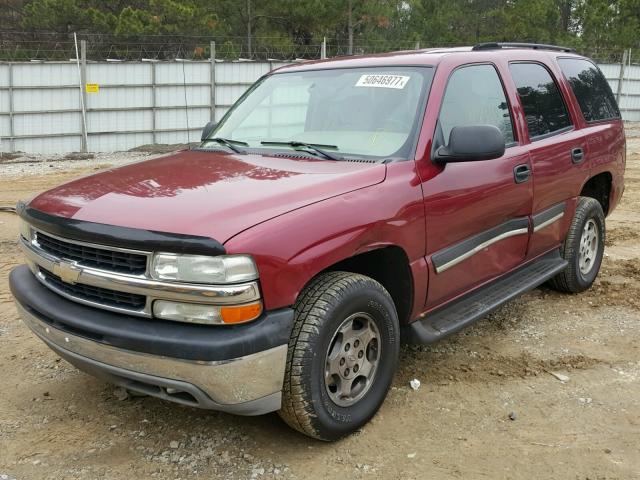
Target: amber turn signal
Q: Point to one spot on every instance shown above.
(241, 313)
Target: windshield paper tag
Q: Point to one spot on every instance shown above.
(383, 81)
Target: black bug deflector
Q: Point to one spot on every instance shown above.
(115, 236)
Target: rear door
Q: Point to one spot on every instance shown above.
(602, 126)
(477, 213)
(557, 150)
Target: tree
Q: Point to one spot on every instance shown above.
(289, 28)
(606, 24)
(63, 16)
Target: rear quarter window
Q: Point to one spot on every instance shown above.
(543, 105)
(591, 89)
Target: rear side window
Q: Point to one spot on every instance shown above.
(590, 88)
(544, 108)
(474, 96)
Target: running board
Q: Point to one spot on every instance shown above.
(475, 305)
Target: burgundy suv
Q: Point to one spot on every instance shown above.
(339, 208)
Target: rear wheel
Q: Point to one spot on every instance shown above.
(583, 248)
(342, 355)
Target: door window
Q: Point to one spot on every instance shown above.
(544, 108)
(474, 96)
(590, 88)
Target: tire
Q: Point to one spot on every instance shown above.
(323, 310)
(575, 279)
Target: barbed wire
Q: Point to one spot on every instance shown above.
(170, 49)
(29, 46)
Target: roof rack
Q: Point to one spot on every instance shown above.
(534, 46)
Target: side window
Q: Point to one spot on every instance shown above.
(590, 88)
(543, 105)
(474, 96)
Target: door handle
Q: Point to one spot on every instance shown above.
(577, 155)
(521, 173)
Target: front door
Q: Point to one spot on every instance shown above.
(477, 213)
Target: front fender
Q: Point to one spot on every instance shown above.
(291, 249)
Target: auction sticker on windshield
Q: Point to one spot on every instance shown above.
(382, 81)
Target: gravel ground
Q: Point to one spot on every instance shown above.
(546, 387)
(33, 164)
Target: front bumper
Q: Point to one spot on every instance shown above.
(234, 369)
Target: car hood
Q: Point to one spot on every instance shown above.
(205, 193)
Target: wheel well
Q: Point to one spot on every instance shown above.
(390, 267)
(599, 187)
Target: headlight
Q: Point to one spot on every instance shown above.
(203, 269)
(207, 314)
(25, 230)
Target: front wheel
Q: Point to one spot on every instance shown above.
(342, 355)
(583, 248)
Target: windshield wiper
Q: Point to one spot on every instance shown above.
(315, 147)
(227, 142)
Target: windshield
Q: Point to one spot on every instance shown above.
(352, 112)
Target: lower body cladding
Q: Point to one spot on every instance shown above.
(237, 369)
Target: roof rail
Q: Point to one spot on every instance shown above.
(534, 46)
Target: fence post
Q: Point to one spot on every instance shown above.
(621, 76)
(83, 92)
(12, 141)
(323, 48)
(153, 102)
(212, 56)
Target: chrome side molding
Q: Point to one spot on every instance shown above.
(548, 216)
(453, 255)
(480, 247)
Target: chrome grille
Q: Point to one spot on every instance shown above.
(102, 258)
(116, 278)
(89, 293)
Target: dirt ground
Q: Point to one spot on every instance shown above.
(56, 422)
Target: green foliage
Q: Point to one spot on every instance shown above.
(248, 27)
(607, 22)
(67, 16)
(147, 17)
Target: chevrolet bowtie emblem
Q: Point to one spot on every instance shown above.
(68, 272)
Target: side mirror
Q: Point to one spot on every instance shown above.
(206, 131)
(471, 143)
